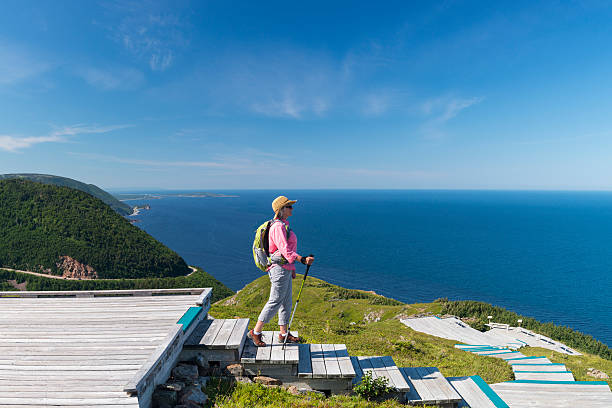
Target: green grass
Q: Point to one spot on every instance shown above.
(331, 314)
(222, 394)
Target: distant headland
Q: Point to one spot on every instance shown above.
(158, 196)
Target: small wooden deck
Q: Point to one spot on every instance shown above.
(428, 386)
(92, 349)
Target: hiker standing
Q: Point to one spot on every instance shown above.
(283, 254)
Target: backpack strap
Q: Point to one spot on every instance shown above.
(283, 261)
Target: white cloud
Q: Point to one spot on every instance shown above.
(150, 30)
(111, 78)
(17, 64)
(440, 110)
(13, 143)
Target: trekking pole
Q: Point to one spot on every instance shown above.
(296, 302)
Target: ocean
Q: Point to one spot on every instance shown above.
(547, 255)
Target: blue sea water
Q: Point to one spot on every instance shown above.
(547, 255)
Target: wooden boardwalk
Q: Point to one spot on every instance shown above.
(505, 336)
(92, 349)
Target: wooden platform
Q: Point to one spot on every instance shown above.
(476, 393)
(500, 335)
(223, 339)
(428, 386)
(93, 350)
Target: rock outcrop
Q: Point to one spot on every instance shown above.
(71, 268)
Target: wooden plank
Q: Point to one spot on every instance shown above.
(197, 336)
(419, 391)
(130, 292)
(238, 335)
(222, 337)
(366, 366)
(438, 385)
(249, 354)
(211, 333)
(305, 362)
(332, 367)
(277, 353)
(263, 353)
(471, 393)
(344, 361)
(358, 370)
(317, 361)
(397, 379)
(379, 368)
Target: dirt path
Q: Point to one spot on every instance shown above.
(44, 275)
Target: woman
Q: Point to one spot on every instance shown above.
(283, 253)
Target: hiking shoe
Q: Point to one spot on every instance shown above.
(290, 338)
(257, 338)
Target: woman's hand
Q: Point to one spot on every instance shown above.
(309, 260)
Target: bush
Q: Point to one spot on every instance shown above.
(371, 388)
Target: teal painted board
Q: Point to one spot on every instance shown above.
(525, 358)
(492, 395)
(558, 382)
(189, 317)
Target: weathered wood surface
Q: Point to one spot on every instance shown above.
(513, 337)
(539, 367)
(272, 353)
(544, 375)
(379, 367)
(427, 385)
(470, 392)
(566, 395)
(76, 351)
(100, 293)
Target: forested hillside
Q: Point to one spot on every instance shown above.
(121, 207)
(42, 224)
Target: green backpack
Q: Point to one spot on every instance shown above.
(261, 245)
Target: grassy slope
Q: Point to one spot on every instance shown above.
(325, 314)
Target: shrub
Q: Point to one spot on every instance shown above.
(371, 388)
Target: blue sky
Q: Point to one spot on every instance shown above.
(230, 95)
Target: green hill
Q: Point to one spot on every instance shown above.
(60, 230)
(95, 191)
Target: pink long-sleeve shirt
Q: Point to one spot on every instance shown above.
(278, 241)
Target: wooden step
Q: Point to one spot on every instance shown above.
(539, 367)
(219, 339)
(428, 386)
(272, 353)
(380, 367)
(544, 375)
(324, 361)
(476, 393)
(547, 394)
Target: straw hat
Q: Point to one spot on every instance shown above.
(280, 202)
